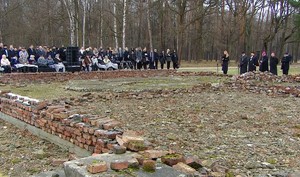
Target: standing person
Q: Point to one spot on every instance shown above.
(285, 63)
(253, 62)
(145, 58)
(86, 63)
(243, 63)
(156, 58)
(225, 61)
(132, 57)
(273, 63)
(168, 58)
(264, 62)
(31, 51)
(139, 56)
(162, 59)
(151, 60)
(175, 60)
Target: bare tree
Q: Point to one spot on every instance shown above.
(70, 6)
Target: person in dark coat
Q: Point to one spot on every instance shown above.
(243, 63)
(139, 56)
(156, 58)
(253, 62)
(273, 63)
(132, 58)
(174, 57)
(264, 62)
(162, 59)
(168, 58)
(126, 55)
(151, 60)
(285, 63)
(31, 51)
(225, 61)
(145, 58)
(4, 51)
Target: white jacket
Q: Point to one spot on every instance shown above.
(5, 62)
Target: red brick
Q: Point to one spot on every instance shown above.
(154, 154)
(172, 159)
(111, 125)
(119, 165)
(97, 167)
(182, 167)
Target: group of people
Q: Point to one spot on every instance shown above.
(13, 58)
(139, 58)
(248, 64)
(41, 56)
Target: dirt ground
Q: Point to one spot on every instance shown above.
(22, 154)
(251, 134)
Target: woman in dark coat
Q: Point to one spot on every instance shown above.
(264, 62)
(273, 63)
(225, 60)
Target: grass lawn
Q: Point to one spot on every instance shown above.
(233, 70)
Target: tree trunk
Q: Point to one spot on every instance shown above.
(70, 6)
(115, 25)
(124, 24)
(84, 5)
(149, 25)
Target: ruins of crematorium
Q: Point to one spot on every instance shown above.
(151, 123)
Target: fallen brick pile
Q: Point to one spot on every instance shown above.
(266, 83)
(61, 77)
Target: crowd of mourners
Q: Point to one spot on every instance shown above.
(250, 63)
(33, 58)
(135, 58)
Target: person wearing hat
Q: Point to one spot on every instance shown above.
(243, 63)
(264, 62)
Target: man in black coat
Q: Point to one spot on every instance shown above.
(285, 63)
(31, 51)
(273, 63)
(243, 63)
(264, 62)
(253, 62)
(4, 51)
(175, 59)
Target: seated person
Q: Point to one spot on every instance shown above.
(32, 60)
(58, 65)
(23, 56)
(50, 61)
(42, 61)
(106, 60)
(5, 64)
